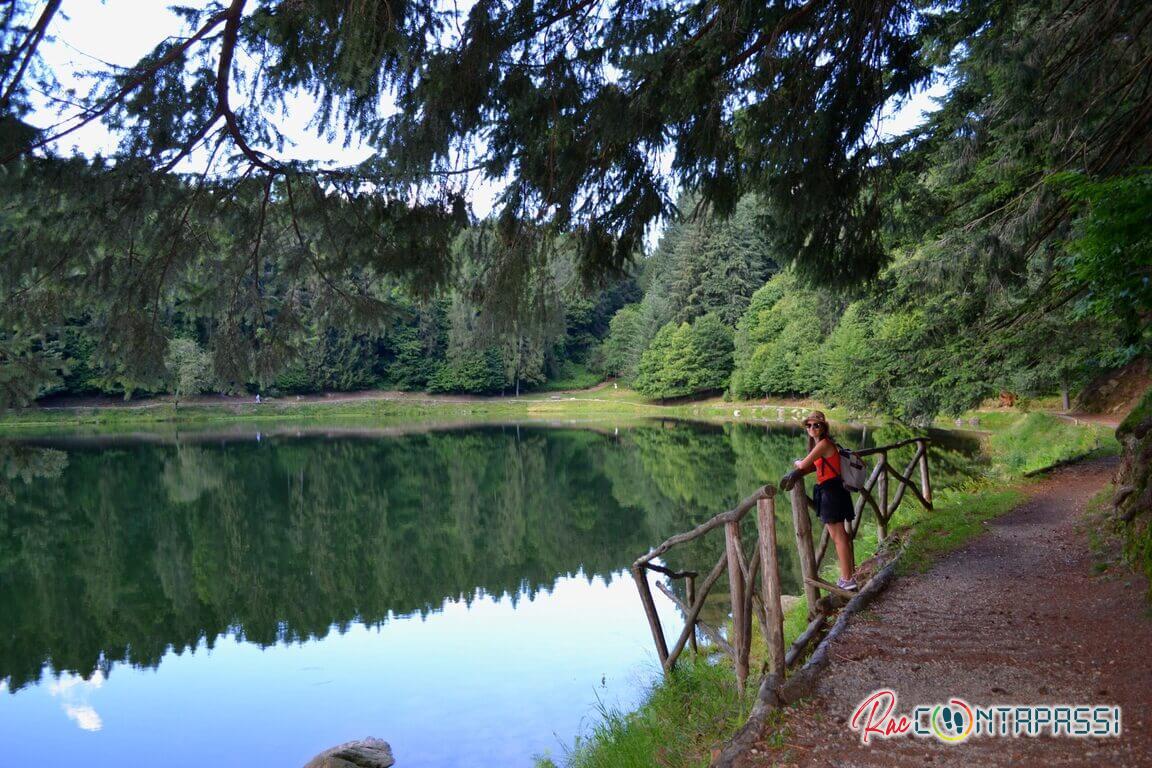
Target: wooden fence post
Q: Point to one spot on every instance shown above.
(770, 585)
(736, 588)
(803, 527)
(882, 515)
(640, 574)
(692, 601)
(925, 482)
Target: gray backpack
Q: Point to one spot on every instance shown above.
(853, 469)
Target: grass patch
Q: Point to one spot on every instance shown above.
(677, 725)
(572, 376)
(683, 718)
(1027, 442)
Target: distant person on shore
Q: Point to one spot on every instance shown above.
(833, 502)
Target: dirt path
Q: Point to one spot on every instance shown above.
(1016, 617)
(1104, 419)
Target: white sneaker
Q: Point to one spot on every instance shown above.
(848, 584)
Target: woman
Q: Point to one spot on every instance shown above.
(833, 503)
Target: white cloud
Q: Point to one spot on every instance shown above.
(84, 716)
(74, 691)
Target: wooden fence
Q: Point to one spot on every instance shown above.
(742, 571)
(743, 568)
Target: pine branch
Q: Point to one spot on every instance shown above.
(29, 46)
(770, 39)
(305, 249)
(191, 143)
(91, 113)
(176, 242)
(223, 73)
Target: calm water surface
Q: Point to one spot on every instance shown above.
(255, 599)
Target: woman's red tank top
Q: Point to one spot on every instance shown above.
(826, 469)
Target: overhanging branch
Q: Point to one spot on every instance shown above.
(91, 113)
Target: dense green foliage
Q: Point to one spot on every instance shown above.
(1016, 232)
(701, 693)
(453, 343)
(697, 283)
(1002, 244)
(686, 358)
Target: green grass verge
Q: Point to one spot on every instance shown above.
(680, 720)
(1025, 443)
(683, 718)
(956, 518)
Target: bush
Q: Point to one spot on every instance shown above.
(685, 359)
(474, 371)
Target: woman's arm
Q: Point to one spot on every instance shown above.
(820, 451)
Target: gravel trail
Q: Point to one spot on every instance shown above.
(1018, 616)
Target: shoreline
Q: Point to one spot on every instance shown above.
(394, 407)
(390, 406)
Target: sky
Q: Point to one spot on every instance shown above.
(93, 34)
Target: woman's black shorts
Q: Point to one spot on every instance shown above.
(833, 502)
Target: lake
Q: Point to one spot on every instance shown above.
(253, 597)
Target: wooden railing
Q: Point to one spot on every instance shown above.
(743, 570)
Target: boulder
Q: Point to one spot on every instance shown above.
(362, 753)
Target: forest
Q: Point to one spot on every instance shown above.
(1003, 244)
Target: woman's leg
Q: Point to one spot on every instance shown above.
(844, 549)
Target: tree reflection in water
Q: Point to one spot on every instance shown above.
(115, 551)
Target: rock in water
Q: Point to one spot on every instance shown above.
(362, 753)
